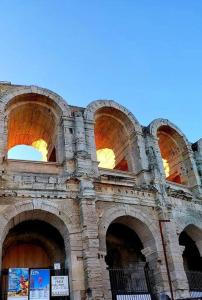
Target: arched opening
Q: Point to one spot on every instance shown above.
(123, 247)
(32, 245)
(191, 239)
(32, 121)
(31, 237)
(127, 265)
(191, 256)
(112, 139)
(172, 148)
(24, 152)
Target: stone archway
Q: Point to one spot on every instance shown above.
(174, 153)
(115, 130)
(33, 236)
(190, 240)
(140, 229)
(38, 227)
(31, 116)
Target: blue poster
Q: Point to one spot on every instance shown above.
(18, 283)
(39, 284)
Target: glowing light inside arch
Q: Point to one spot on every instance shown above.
(166, 167)
(106, 157)
(41, 146)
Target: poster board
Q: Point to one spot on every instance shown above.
(59, 286)
(18, 283)
(39, 284)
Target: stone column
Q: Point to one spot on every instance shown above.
(89, 227)
(68, 143)
(175, 261)
(139, 158)
(83, 159)
(156, 272)
(75, 263)
(197, 147)
(3, 140)
(90, 144)
(80, 139)
(105, 276)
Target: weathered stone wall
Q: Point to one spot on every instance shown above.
(81, 201)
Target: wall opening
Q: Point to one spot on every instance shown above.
(30, 250)
(191, 256)
(112, 139)
(126, 263)
(123, 247)
(190, 238)
(32, 121)
(24, 152)
(33, 244)
(172, 148)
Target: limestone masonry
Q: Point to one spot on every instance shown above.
(99, 222)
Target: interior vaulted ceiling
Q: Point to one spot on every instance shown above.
(29, 121)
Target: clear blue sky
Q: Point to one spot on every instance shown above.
(144, 54)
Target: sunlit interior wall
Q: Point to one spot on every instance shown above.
(31, 122)
(171, 148)
(111, 139)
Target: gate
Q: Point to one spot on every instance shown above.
(4, 283)
(131, 283)
(195, 283)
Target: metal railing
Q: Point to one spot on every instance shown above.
(194, 280)
(195, 283)
(129, 283)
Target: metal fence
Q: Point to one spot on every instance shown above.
(129, 283)
(195, 283)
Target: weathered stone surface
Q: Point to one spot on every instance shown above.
(81, 200)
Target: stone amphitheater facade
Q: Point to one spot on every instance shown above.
(79, 201)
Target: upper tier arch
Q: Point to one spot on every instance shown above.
(94, 106)
(157, 123)
(13, 92)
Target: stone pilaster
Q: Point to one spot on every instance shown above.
(91, 147)
(92, 268)
(80, 139)
(83, 159)
(68, 143)
(175, 261)
(156, 271)
(105, 276)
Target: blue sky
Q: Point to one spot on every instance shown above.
(145, 54)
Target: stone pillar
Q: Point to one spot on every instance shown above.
(83, 159)
(3, 140)
(175, 261)
(105, 276)
(80, 139)
(197, 147)
(89, 227)
(191, 172)
(156, 272)
(139, 158)
(68, 143)
(90, 144)
(60, 142)
(75, 263)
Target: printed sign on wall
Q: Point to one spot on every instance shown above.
(39, 284)
(18, 283)
(59, 286)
